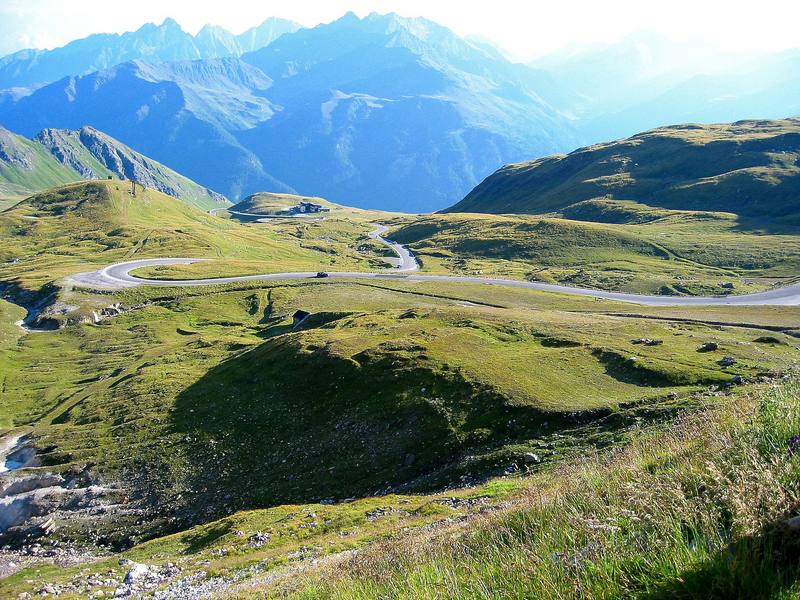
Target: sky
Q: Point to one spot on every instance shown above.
(524, 28)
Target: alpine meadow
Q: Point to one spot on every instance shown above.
(341, 302)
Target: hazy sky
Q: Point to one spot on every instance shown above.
(526, 28)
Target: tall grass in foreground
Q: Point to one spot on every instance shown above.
(696, 511)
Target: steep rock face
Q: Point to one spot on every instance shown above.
(95, 155)
(63, 149)
(25, 167)
(13, 153)
(60, 156)
(115, 157)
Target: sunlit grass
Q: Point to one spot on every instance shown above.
(694, 512)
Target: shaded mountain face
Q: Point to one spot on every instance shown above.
(59, 156)
(180, 114)
(751, 168)
(400, 110)
(378, 112)
(154, 43)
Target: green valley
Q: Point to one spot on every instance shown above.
(352, 430)
(658, 252)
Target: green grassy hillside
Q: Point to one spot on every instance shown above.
(749, 168)
(693, 509)
(705, 509)
(85, 225)
(26, 167)
(206, 401)
(268, 202)
(203, 413)
(633, 248)
(611, 245)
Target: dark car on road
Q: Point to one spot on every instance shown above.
(321, 274)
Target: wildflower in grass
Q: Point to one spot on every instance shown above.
(794, 444)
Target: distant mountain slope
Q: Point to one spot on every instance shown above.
(154, 43)
(401, 110)
(610, 77)
(25, 166)
(95, 155)
(183, 114)
(648, 80)
(751, 168)
(382, 112)
(58, 156)
(764, 88)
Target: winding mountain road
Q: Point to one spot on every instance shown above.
(118, 276)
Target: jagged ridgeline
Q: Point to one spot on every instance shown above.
(379, 112)
(154, 43)
(58, 156)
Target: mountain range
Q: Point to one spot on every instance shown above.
(397, 112)
(377, 112)
(153, 43)
(647, 80)
(58, 156)
(384, 110)
(183, 114)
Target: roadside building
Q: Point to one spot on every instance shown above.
(310, 207)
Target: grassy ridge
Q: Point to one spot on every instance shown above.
(694, 512)
(749, 168)
(650, 251)
(86, 225)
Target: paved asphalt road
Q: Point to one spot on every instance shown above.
(118, 276)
